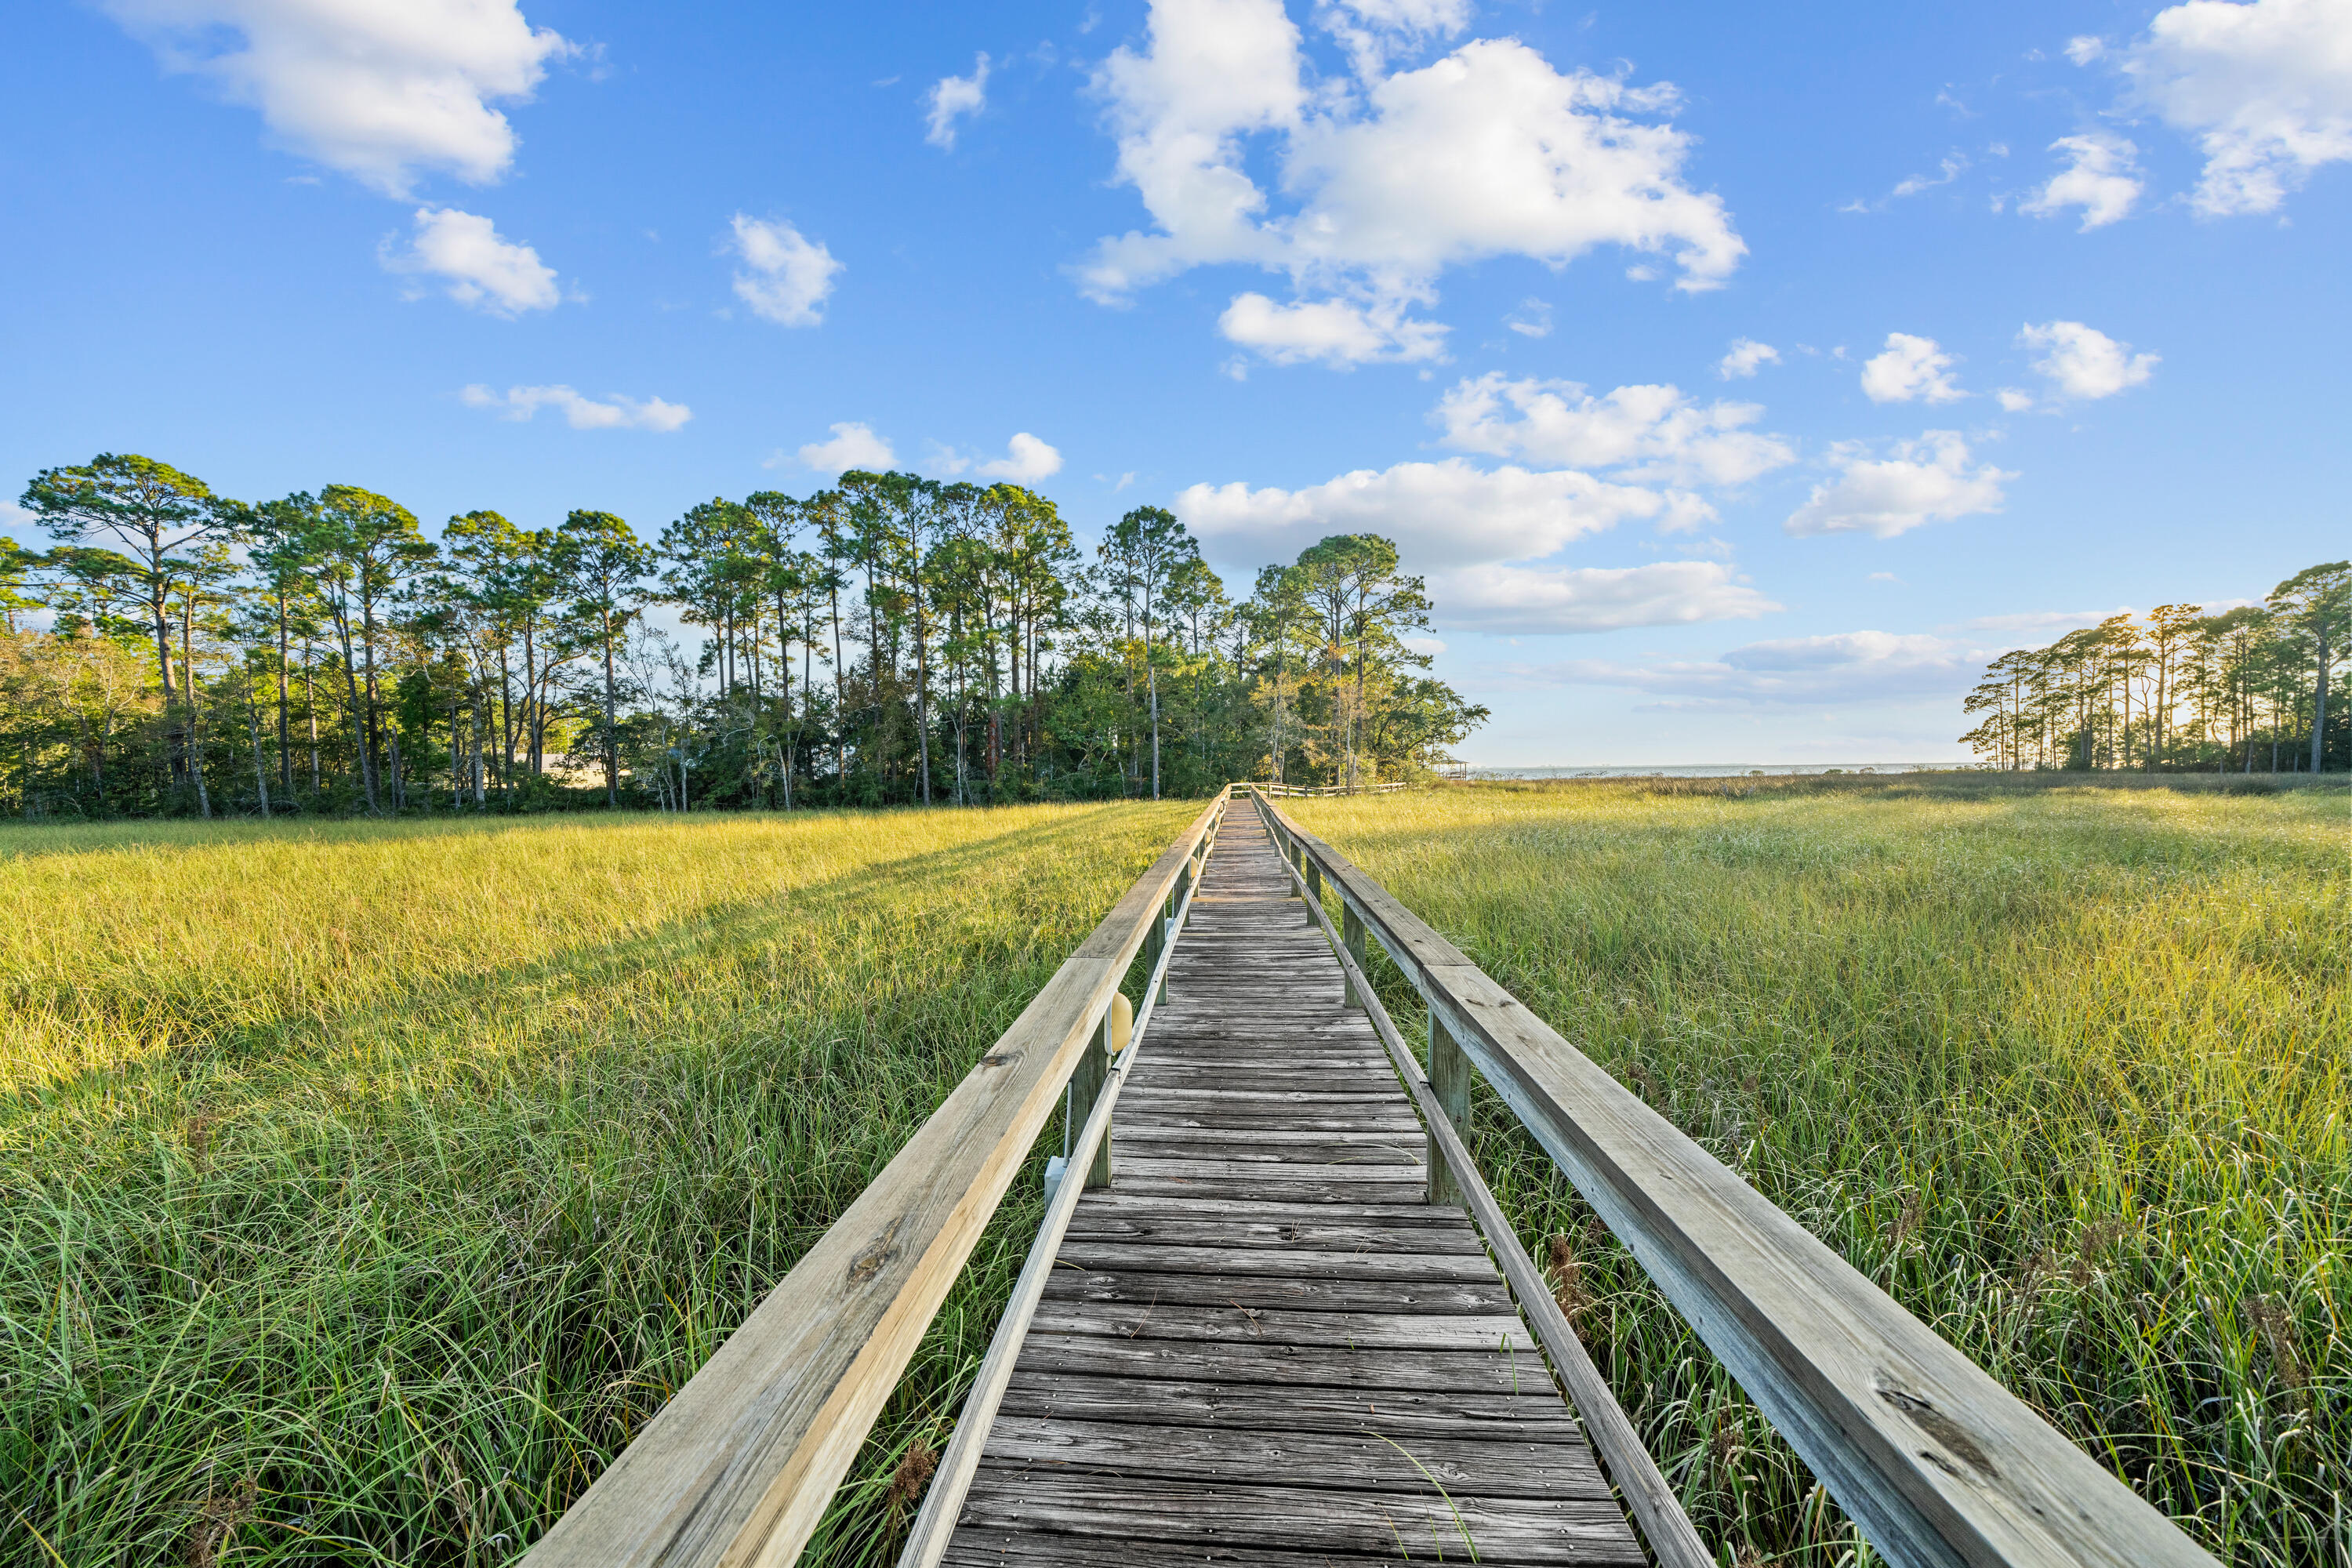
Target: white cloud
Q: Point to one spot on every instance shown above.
(380, 89)
(1842, 667)
(1925, 480)
(1428, 647)
(786, 277)
(480, 269)
(1439, 514)
(1910, 368)
(1746, 358)
(1952, 169)
(2265, 87)
(1372, 30)
(2014, 399)
(1026, 461)
(2086, 47)
(1652, 432)
(2082, 361)
(2102, 177)
(1486, 151)
(952, 97)
(1532, 320)
(1335, 332)
(615, 413)
(853, 446)
(1539, 599)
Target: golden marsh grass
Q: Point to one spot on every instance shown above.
(365, 1184)
(2064, 1069)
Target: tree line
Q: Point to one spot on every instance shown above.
(2237, 690)
(891, 640)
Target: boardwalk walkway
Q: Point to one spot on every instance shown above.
(1262, 1345)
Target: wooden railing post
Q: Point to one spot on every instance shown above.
(1094, 1069)
(1168, 921)
(1314, 888)
(1352, 932)
(1449, 1075)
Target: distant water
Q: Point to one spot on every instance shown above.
(1697, 769)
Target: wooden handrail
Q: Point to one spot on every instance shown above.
(739, 1466)
(934, 1526)
(1938, 1464)
(1287, 791)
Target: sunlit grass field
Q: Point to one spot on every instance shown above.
(361, 1186)
(2064, 1069)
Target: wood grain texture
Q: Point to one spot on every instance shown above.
(1294, 1407)
(1500, 1530)
(1938, 1463)
(1368, 1457)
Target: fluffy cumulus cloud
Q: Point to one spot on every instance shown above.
(2265, 88)
(952, 99)
(382, 91)
(785, 276)
(1026, 460)
(1926, 481)
(1910, 368)
(1342, 333)
(1535, 599)
(2082, 361)
(1655, 433)
(1440, 514)
(1388, 179)
(853, 446)
(612, 413)
(475, 266)
(1838, 667)
(2101, 177)
(1484, 536)
(1746, 357)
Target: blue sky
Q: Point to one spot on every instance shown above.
(2045, 306)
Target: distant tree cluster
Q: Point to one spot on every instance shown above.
(891, 640)
(2247, 689)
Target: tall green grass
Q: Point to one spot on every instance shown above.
(2063, 1069)
(363, 1187)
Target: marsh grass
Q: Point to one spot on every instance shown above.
(2061, 1068)
(363, 1187)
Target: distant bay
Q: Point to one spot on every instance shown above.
(1691, 770)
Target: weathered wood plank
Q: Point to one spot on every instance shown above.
(1537, 1416)
(981, 1548)
(1277, 1325)
(1301, 1191)
(1518, 1377)
(1367, 1459)
(1363, 1165)
(1367, 1263)
(1250, 1235)
(1292, 1292)
(1238, 1147)
(1116, 1202)
(1387, 1125)
(1500, 1530)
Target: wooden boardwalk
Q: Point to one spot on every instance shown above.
(1262, 1344)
